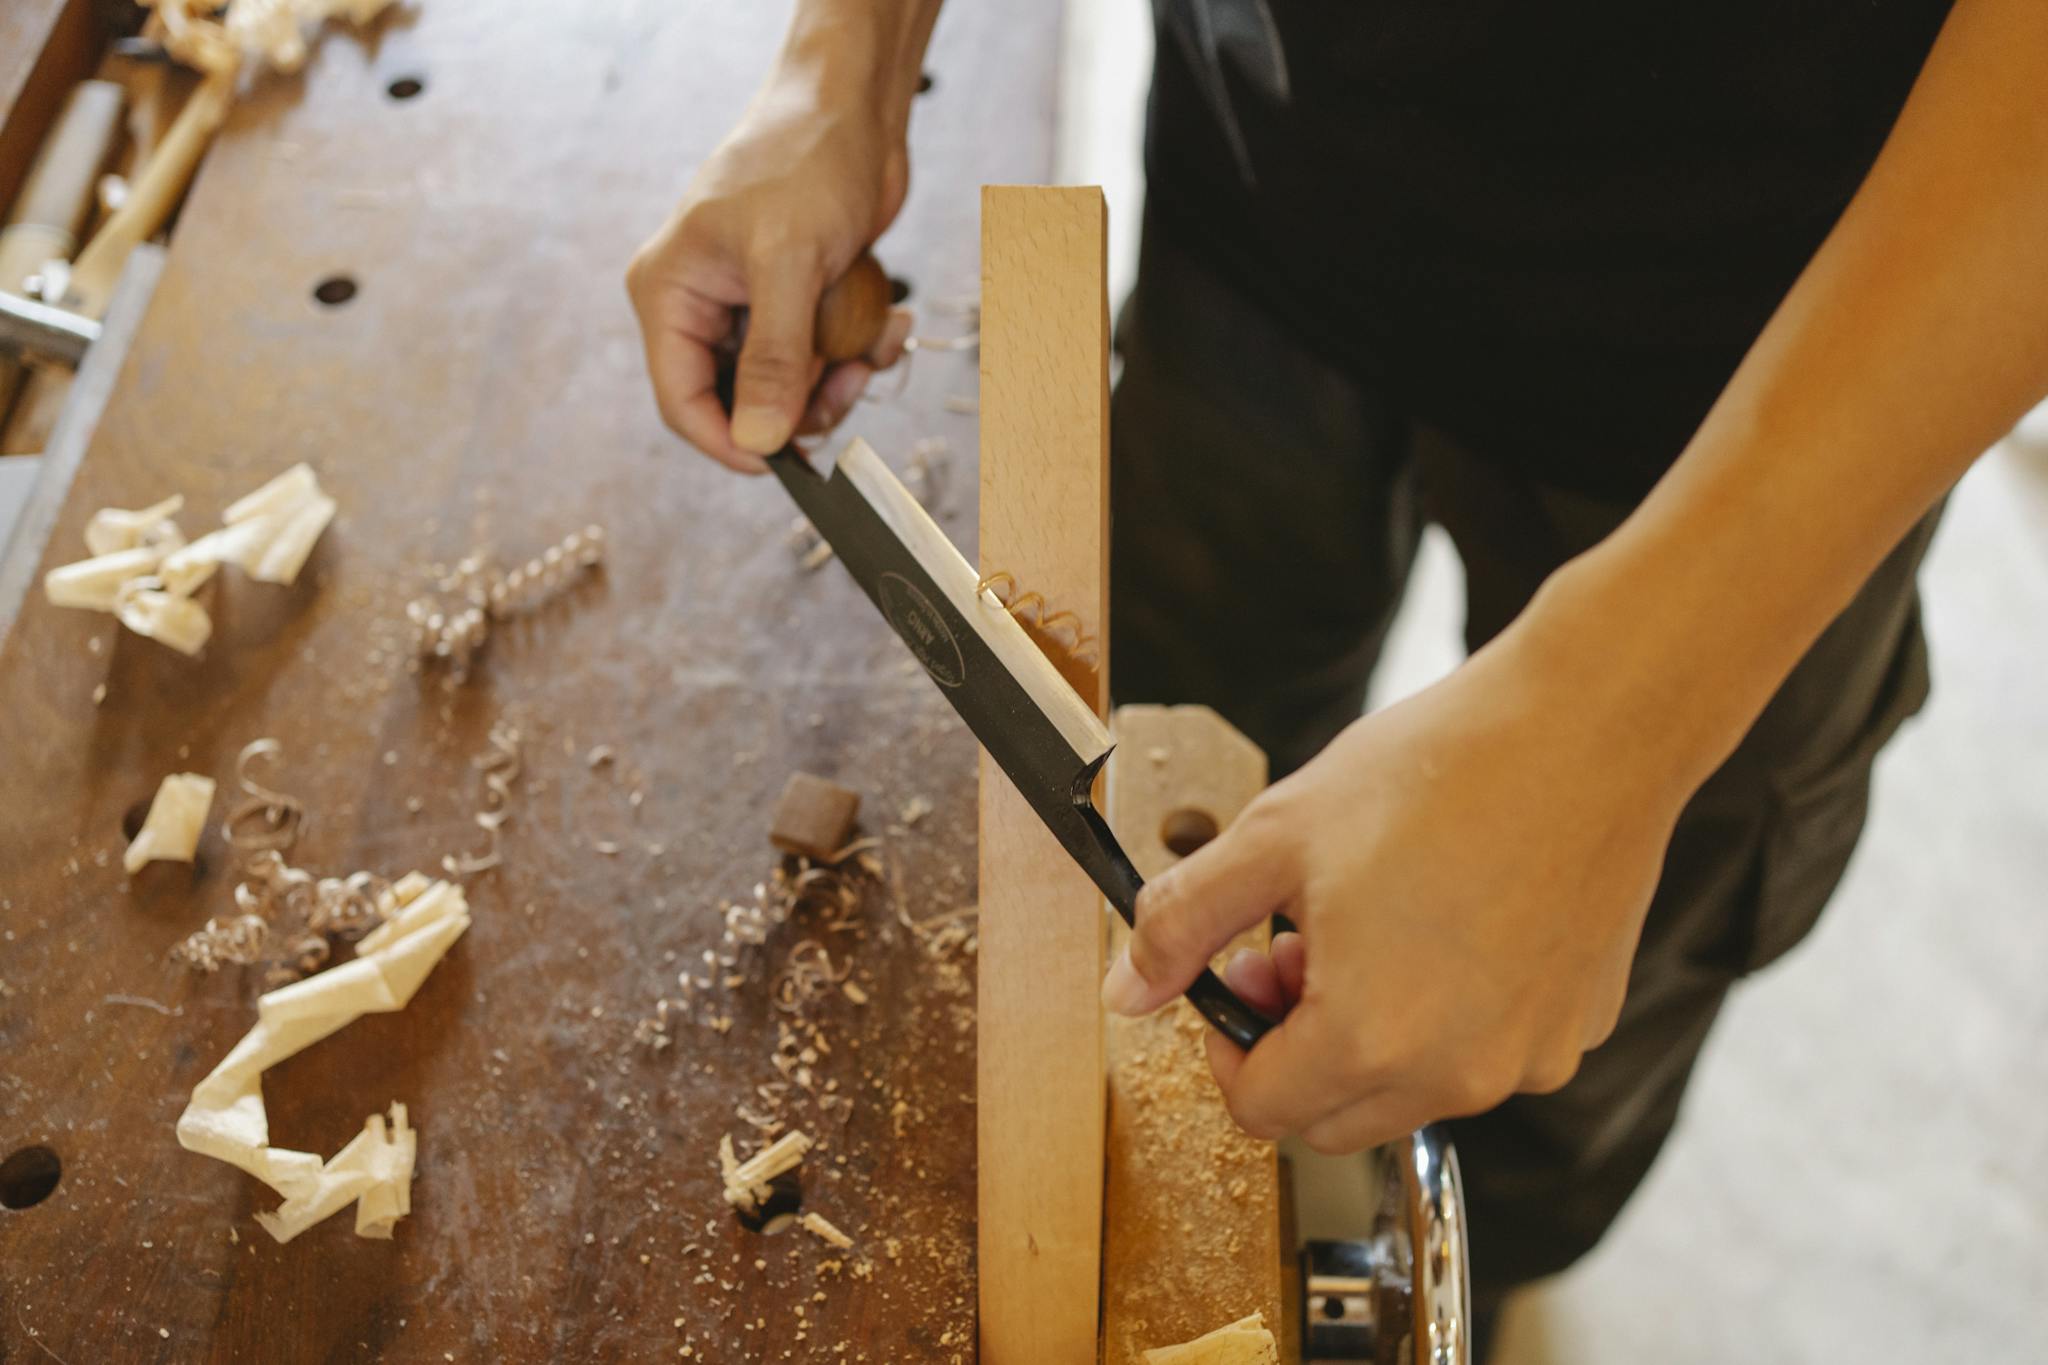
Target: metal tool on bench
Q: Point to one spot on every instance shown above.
(42, 227)
(1403, 1295)
(29, 328)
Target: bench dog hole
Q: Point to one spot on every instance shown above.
(1187, 829)
(28, 1176)
(779, 1210)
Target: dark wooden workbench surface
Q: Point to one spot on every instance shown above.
(483, 390)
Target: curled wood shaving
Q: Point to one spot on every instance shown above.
(1060, 629)
(217, 37)
(279, 904)
(145, 574)
(498, 767)
(113, 528)
(265, 819)
(805, 974)
(451, 625)
(240, 940)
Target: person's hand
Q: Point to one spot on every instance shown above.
(794, 193)
(1469, 871)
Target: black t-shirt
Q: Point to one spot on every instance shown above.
(1550, 229)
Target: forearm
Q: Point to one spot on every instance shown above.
(858, 54)
(1914, 339)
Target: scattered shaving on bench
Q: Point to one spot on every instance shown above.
(1244, 1342)
(112, 529)
(746, 1182)
(282, 818)
(271, 32)
(226, 1118)
(170, 832)
(498, 767)
(818, 1225)
(453, 624)
(145, 574)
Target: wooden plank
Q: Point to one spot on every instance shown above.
(1191, 1232)
(1044, 520)
(484, 389)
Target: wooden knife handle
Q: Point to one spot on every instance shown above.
(852, 311)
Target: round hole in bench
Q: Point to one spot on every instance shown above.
(924, 82)
(28, 1176)
(405, 87)
(1187, 829)
(335, 290)
(132, 818)
(785, 1197)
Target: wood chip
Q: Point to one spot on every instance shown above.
(814, 817)
(818, 1225)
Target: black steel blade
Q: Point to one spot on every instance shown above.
(1019, 736)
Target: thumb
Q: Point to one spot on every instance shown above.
(776, 366)
(1189, 912)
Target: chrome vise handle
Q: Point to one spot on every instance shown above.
(1402, 1296)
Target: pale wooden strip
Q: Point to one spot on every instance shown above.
(1044, 520)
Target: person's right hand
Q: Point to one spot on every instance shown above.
(777, 213)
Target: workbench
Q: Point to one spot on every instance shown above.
(481, 389)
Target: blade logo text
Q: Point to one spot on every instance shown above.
(921, 626)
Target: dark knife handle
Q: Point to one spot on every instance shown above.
(1226, 1012)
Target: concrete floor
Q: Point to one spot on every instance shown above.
(1862, 1171)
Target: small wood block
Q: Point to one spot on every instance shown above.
(814, 818)
(1191, 1226)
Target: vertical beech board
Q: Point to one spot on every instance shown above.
(484, 390)
(1044, 520)
(1191, 1232)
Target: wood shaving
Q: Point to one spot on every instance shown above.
(93, 584)
(805, 974)
(240, 940)
(306, 914)
(747, 1182)
(264, 819)
(145, 574)
(142, 605)
(1244, 1342)
(226, 1118)
(498, 767)
(452, 624)
(170, 832)
(216, 37)
(267, 533)
(818, 1225)
(113, 529)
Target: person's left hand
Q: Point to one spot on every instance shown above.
(1469, 871)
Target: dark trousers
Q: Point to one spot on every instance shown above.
(1266, 508)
